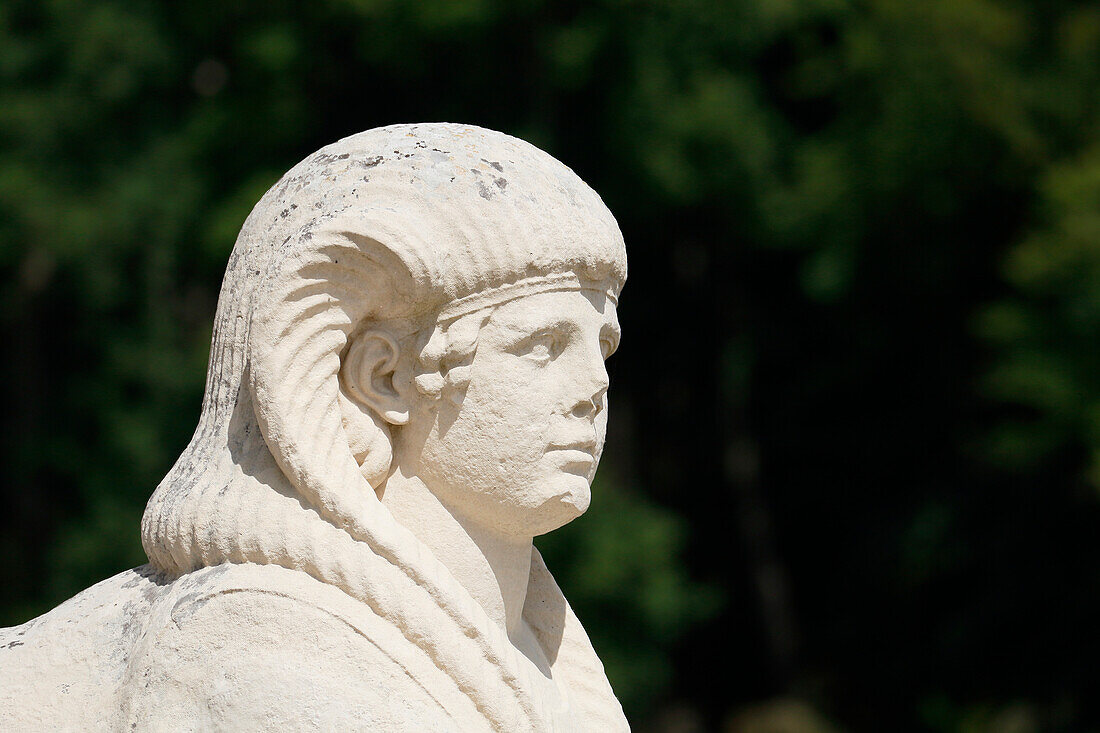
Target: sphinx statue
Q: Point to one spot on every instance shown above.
(406, 385)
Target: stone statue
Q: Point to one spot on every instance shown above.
(406, 385)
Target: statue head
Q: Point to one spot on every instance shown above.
(436, 299)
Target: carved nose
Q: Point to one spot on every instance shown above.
(586, 408)
(593, 379)
(591, 406)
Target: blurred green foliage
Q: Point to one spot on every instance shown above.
(855, 439)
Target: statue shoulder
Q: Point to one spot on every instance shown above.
(255, 646)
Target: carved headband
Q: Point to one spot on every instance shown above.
(565, 281)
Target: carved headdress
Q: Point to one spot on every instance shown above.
(403, 222)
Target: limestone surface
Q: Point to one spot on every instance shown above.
(406, 385)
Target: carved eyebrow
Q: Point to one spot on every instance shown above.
(525, 328)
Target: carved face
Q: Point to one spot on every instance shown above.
(519, 451)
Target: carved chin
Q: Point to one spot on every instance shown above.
(578, 500)
(564, 506)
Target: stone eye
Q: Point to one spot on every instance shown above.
(540, 347)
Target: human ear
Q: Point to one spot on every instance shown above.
(367, 374)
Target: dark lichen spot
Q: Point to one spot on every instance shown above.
(371, 162)
(495, 164)
(500, 183)
(327, 158)
(484, 191)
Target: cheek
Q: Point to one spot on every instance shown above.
(508, 413)
(517, 408)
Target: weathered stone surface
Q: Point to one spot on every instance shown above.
(406, 385)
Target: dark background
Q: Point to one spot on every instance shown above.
(853, 478)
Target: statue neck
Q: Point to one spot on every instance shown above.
(494, 568)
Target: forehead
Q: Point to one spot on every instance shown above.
(586, 308)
